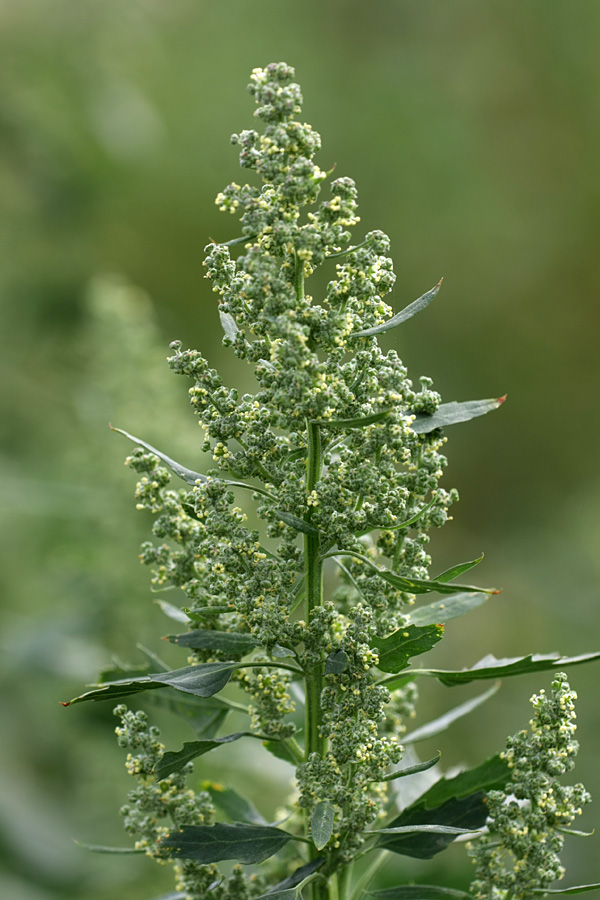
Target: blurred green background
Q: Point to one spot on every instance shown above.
(472, 130)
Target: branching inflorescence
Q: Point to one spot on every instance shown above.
(341, 455)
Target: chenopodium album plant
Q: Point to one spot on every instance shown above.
(341, 456)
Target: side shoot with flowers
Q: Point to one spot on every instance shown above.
(337, 459)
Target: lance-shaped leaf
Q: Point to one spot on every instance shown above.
(407, 313)
(100, 848)
(354, 422)
(336, 663)
(233, 805)
(449, 608)
(454, 571)
(203, 681)
(419, 892)
(423, 829)
(281, 750)
(175, 760)
(452, 413)
(577, 889)
(189, 476)
(298, 876)
(490, 667)
(437, 726)
(212, 843)
(289, 894)
(457, 802)
(321, 823)
(395, 650)
(296, 522)
(228, 325)
(409, 585)
(413, 770)
(173, 612)
(225, 641)
(205, 715)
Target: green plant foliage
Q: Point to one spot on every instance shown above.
(341, 453)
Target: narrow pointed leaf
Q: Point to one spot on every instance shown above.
(233, 805)
(186, 474)
(356, 421)
(492, 774)
(424, 829)
(577, 889)
(225, 641)
(212, 843)
(280, 750)
(321, 823)
(490, 667)
(228, 324)
(468, 813)
(298, 876)
(173, 612)
(289, 894)
(203, 680)
(407, 313)
(448, 608)
(296, 522)
(419, 892)
(115, 691)
(437, 726)
(336, 662)
(100, 848)
(175, 760)
(413, 770)
(452, 413)
(395, 651)
(409, 585)
(457, 570)
(205, 715)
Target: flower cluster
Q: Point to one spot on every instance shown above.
(528, 820)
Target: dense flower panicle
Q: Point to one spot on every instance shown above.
(519, 857)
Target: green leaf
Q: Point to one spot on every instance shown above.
(281, 751)
(336, 662)
(296, 522)
(100, 848)
(233, 805)
(457, 802)
(187, 475)
(173, 896)
(298, 876)
(205, 715)
(175, 760)
(452, 413)
(202, 681)
(407, 313)
(419, 892)
(578, 889)
(173, 612)
(449, 608)
(321, 823)
(356, 422)
(395, 651)
(468, 813)
(457, 570)
(212, 843)
(228, 324)
(409, 585)
(490, 775)
(424, 829)
(225, 641)
(437, 726)
(413, 770)
(490, 667)
(290, 894)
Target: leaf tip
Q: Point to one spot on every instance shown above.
(63, 703)
(501, 400)
(495, 591)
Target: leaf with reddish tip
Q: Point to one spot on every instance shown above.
(407, 313)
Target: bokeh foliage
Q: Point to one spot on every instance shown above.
(472, 132)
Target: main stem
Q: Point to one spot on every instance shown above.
(313, 573)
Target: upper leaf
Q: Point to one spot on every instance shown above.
(452, 413)
(395, 650)
(437, 726)
(213, 843)
(448, 608)
(175, 760)
(224, 641)
(490, 667)
(407, 313)
(235, 807)
(321, 823)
